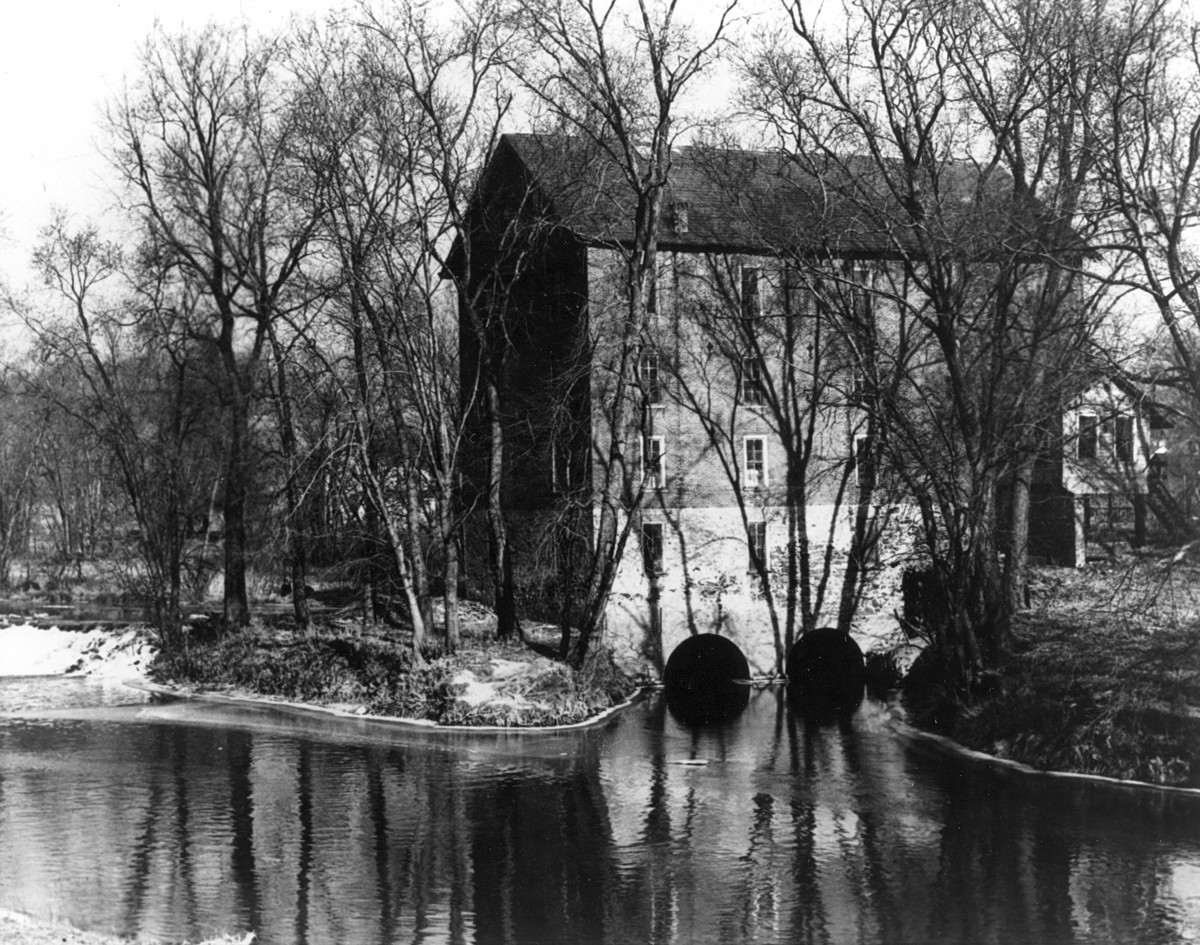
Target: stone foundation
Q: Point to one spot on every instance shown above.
(706, 583)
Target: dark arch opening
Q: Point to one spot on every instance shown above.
(706, 680)
(826, 673)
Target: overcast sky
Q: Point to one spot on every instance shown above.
(60, 60)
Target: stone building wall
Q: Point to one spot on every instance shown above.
(708, 585)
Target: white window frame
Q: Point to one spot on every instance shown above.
(759, 480)
(651, 478)
(647, 358)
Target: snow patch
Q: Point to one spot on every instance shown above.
(474, 692)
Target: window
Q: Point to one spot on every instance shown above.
(652, 463)
(1124, 443)
(651, 381)
(751, 296)
(860, 291)
(797, 296)
(1156, 473)
(755, 448)
(756, 541)
(863, 459)
(652, 547)
(1089, 436)
(858, 383)
(753, 387)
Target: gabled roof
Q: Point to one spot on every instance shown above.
(771, 202)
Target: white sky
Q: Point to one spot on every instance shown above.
(60, 60)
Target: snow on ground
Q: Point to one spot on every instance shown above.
(32, 651)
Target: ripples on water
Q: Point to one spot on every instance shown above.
(178, 821)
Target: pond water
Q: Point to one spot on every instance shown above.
(180, 820)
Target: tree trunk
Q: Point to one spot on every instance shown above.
(396, 540)
(451, 626)
(993, 615)
(236, 602)
(500, 554)
(418, 581)
(856, 558)
(297, 551)
(1016, 559)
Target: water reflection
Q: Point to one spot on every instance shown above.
(773, 826)
(720, 703)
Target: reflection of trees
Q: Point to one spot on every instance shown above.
(383, 862)
(147, 841)
(245, 888)
(885, 908)
(540, 856)
(304, 873)
(792, 832)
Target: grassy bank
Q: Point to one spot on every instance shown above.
(371, 671)
(1104, 678)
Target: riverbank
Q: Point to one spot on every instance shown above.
(369, 671)
(1104, 677)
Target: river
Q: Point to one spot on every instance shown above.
(180, 820)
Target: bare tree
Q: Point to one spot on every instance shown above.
(23, 432)
(614, 76)
(203, 142)
(446, 84)
(1149, 130)
(119, 366)
(950, 154)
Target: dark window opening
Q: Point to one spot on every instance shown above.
(797, 296)
(652, 462)
(860, 292)
(1089, 436)
(751, 297)
(863, 457)
(1124, 443)
(753, 387)
(756, 540)
(652, 547)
